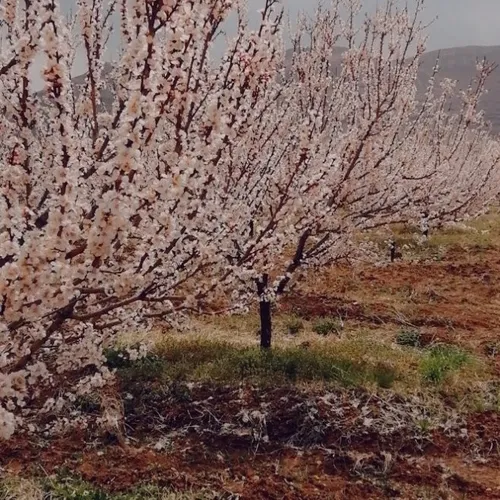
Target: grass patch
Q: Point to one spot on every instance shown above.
(14, 488)
(201, 360)
(327, 326)
(289, 365)
(358, 361)
(294, 325)
(409, 338)
(442, 360)
(66, 488)
(149, 367)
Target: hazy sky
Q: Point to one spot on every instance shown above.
(457, 22)
(460, 22)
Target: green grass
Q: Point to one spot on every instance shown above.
(198, 360)
(294, 325)
(360, 361)
(409, 338)
(70, 488)
(327, 326)
(442, 360)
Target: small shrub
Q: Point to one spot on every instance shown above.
(151, 367)
(385, 375)
(294, 326)
(121, 357)
(440, 361)
(326, 326)
(424, 425)
(180, 391)
(116, 358)
(409, 338)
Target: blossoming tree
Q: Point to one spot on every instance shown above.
(336, 149)
(452, 157)
(107, 207)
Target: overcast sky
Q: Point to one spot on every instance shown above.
(457, 22)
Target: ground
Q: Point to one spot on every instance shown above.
(384, 383)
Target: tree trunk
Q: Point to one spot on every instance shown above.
(425, 225)
(265, 324)
(392, 248)
(265, 313)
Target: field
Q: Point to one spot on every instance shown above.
(383, 383)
